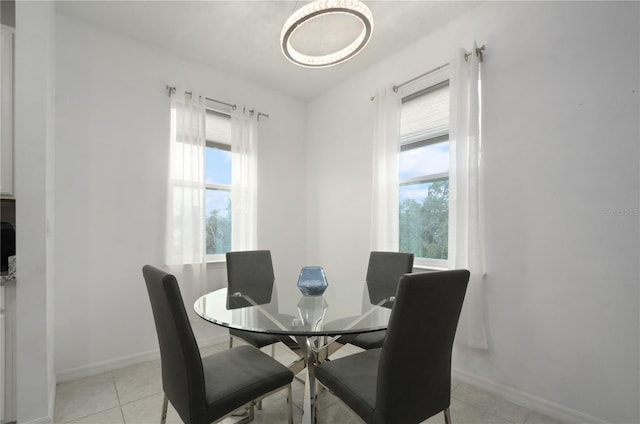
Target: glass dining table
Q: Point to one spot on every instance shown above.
(314, 322)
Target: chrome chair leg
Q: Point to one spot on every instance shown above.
(163, 417)
(447, 416)
(247, 417)
(290, 403)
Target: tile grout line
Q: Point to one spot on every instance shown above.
(495, 398)
(456, 386)
(115, 387)
(71, 420)
(142, 398)
(486, 411)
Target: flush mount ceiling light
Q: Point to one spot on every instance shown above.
(315, 9)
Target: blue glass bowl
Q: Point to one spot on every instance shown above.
(312, 281)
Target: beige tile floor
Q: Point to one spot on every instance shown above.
(133, 395)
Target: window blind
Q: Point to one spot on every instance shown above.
(415, 124)
(218, 127)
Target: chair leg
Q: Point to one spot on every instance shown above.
(163, 417)
(447, 416)
(230, 342)
(290, 403)
(247, 417)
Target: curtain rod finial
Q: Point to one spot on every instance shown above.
(480, 52)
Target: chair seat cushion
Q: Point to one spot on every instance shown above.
(353, 379)
(372, 340)
(258, 340)
(246, 373)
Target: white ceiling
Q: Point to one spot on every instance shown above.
(243, 37)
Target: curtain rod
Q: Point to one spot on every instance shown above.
(479, 52)
(429, 72)
(260, 114)
(172, 90)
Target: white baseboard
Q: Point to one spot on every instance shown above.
(124, 361)
(43, 420)
(534, 403)
(52, 398)
(105, 366)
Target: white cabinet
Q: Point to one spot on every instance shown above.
(6, 111)
(7, 350)
(2, 350)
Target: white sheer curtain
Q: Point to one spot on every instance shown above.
(185, 209)
(386, 146)
(184, 244)
(466, 194)
(244, 181)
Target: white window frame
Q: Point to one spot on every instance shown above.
(419, 262)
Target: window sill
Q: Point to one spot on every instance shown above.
(426, 264)
(429, 268)
(216, 261)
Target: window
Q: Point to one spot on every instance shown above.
(424, 175)
(218, 183)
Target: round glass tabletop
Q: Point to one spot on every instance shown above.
(340, 310)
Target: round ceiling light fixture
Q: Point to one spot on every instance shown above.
(316, 9)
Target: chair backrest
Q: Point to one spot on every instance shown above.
(250, 273)
(182, 372)
(414, 373)
(383, 273)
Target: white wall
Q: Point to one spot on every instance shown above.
(561, 140)
(112, 158)
(34, 139)
(560, 147)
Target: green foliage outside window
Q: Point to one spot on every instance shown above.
(218, 230)
(424, 227)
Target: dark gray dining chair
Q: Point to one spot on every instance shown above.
(383, 272)
(409, 379)
(206, 390)
(251, 273)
